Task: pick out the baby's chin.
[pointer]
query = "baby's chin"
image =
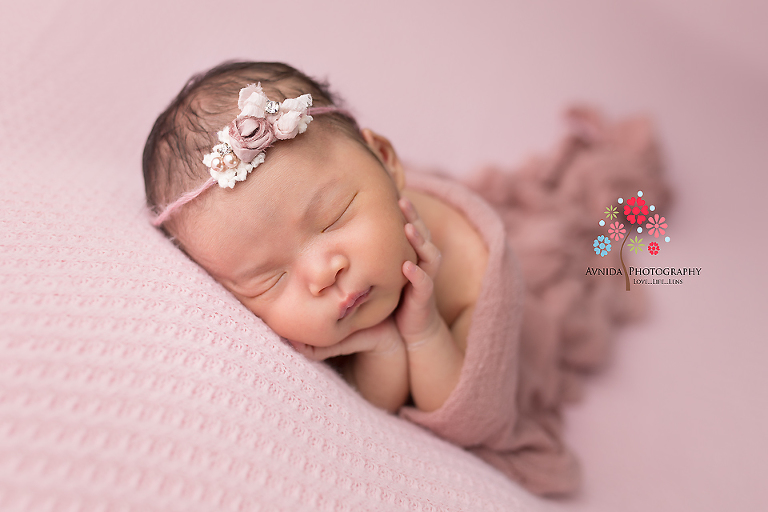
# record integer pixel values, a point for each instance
(366, 319)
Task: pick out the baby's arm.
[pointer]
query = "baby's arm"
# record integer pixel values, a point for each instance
(434, 357)
(378, 368)
(381, 375)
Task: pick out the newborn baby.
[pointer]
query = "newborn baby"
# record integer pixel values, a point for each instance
(323, 241)
(409, 287)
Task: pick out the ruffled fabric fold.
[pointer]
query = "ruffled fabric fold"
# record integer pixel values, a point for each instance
(541, 325)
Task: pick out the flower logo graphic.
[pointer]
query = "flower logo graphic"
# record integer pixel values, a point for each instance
(602, 245)
(617, 231)
(656, 226)
(636, 245)
(636, 212)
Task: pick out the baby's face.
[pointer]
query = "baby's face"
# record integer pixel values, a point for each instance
(312, 242)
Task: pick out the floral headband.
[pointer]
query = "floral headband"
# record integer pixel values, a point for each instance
(242, 142)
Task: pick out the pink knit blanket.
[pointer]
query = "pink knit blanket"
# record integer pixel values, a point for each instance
(130, 380)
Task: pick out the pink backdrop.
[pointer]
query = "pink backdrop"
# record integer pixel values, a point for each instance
(677, 421)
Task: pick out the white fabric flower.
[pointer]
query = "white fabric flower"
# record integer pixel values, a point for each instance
(225, 178)
(304, 122)
(287, 125)
(246, 93)
(300, 104)
(228, 177)
(252, 101)
(256, 161)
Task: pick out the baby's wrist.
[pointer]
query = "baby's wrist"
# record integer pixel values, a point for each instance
(389, 339)
(434, 331)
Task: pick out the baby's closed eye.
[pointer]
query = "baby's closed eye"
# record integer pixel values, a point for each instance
(270, 283)
(257, 286)
(338, 219)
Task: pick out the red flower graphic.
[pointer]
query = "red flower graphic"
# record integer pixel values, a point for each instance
(635, 210)
(653, 248)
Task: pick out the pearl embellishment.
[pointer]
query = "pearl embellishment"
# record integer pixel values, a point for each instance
(217, 164)
(231, 161)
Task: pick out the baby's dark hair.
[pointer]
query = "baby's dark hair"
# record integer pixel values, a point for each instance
(186, 130)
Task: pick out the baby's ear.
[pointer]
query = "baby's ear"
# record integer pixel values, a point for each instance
(386, 154)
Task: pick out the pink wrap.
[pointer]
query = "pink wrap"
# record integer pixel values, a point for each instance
(540, 324)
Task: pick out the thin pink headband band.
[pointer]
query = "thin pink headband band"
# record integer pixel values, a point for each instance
(227, 161)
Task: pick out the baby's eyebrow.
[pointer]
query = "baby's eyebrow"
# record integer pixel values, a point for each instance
(317, 197)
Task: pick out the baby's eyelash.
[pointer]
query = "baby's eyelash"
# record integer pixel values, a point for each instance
(272, 285)
(342, 213)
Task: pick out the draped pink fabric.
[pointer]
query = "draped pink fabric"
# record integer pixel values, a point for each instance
(541, 324)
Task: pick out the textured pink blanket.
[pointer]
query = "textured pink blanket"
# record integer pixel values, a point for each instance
(130, 380)
(540, 324)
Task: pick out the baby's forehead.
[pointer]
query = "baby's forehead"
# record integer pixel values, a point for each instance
(289, 191)
(322, 159)
(263, 222)
(297, 175)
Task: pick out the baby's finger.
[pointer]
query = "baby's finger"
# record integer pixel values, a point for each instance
(421, 292)
(365, 340)
(319, 353)
(412, 216)
(417, 313)
(428, 253)
(307, 351)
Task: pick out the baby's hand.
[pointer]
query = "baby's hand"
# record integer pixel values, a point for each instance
(379, 369)
(381, 338)
(417, 317)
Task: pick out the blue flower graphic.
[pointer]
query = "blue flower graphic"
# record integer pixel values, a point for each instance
(602, 245)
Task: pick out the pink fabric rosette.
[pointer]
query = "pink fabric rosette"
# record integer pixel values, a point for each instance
(250, 136)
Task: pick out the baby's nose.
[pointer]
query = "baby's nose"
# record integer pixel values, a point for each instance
(327, 273)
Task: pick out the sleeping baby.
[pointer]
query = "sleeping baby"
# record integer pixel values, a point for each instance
(405, 282)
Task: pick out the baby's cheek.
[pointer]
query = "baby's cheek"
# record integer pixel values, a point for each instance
(399, 239)
(412, 256)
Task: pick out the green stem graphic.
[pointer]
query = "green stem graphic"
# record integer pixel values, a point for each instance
(621, 257)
